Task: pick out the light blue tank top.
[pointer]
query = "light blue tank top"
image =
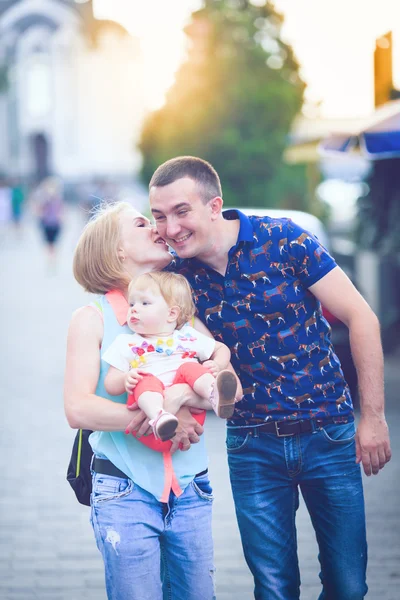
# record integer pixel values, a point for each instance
(153, 471)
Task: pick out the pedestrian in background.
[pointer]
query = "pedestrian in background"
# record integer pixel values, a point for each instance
(49, 207)
(17, 202)
(5, 202)
(259, 284)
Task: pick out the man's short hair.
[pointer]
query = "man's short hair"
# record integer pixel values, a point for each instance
(194, 168)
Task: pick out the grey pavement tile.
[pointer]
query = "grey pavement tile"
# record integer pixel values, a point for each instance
(25, 595)
(18, 585)
(84, 555)
(27, 553)
(94, 582)
(57, 583)
(231, 592)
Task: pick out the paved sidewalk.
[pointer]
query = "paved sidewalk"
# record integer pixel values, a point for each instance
(47, 549)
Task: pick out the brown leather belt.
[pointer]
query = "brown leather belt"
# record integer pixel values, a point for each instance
(287, 428)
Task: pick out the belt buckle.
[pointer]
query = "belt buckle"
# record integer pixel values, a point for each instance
(278, 433)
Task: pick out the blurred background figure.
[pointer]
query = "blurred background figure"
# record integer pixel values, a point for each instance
(49, 207)
(17, 201)
(5, 202)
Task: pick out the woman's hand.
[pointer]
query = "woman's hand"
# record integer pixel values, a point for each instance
(140, 422)
(188, 431)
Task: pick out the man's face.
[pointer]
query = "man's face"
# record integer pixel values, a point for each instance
(182, 219)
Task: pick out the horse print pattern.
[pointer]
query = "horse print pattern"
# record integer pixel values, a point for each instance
(263, 311)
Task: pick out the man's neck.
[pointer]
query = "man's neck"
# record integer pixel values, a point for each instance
(226, 235)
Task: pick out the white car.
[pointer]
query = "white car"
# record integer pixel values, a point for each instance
(305, 220)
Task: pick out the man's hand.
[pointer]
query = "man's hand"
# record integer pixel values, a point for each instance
(372, 443)
(176, 395)
(212, 366)
(187, 432)
(140, 422)
(132, 378)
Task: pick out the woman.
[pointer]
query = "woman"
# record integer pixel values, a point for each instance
(49, 207)
(148, 507)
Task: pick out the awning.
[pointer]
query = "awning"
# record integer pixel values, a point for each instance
(380, 139)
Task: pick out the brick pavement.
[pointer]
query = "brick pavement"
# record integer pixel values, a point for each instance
(47, 550)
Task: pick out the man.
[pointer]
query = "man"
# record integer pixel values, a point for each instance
(258, 285)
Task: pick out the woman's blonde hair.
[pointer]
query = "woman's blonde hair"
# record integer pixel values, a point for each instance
(97, 267)
(174, 288)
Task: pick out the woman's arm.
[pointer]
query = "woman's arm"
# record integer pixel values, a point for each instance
(83, 408)
(115, 381)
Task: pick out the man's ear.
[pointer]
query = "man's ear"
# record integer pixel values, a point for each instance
(216, 206)
(174, 313)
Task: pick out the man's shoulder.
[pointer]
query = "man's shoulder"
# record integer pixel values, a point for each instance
(269, 227)
(175, 265)
(183, 266)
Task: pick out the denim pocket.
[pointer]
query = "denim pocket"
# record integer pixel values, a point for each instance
(339, 433)
(106, 488)
(236, 442)
(202, 487)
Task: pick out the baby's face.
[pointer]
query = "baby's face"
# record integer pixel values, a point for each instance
(148, 312)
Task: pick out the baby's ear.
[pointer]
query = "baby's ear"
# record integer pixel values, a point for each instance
(174, 313)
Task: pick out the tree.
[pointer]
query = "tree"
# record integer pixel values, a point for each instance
(232, 103)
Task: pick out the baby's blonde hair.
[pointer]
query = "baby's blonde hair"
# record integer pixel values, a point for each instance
(97, 267)
(174, 288)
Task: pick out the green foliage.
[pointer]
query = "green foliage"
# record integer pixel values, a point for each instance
(232, 103)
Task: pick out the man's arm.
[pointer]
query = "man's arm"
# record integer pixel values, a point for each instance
(336, 292)
(199, 326)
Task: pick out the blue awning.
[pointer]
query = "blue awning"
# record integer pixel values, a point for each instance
(380, 140)
(383, 139)
(339, 142)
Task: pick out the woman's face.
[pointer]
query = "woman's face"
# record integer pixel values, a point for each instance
(141, 247)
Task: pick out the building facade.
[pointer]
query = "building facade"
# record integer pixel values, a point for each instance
(72, 99)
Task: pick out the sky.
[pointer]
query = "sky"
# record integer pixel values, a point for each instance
(333, 40)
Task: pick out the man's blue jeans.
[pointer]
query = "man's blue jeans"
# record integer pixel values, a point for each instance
(266, 473)
(154, 550)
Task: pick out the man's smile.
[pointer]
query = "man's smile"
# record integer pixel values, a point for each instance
(182, 239)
